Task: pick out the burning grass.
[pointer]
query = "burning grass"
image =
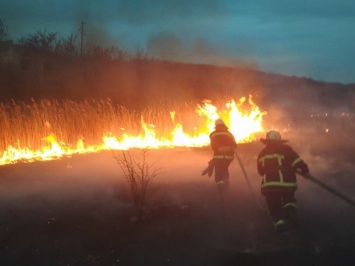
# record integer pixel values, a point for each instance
(45, 129)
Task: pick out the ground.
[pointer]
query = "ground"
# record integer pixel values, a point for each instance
(78, 211)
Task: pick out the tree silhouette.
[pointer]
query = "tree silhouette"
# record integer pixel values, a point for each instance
(67, 46)
(40, 40)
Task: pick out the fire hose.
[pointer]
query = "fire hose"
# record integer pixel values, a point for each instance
(248, 181)
(328, 188)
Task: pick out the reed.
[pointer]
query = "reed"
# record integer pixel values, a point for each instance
(27, 124)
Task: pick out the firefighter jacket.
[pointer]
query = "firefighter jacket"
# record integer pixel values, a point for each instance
(223, 143)
(277, 164)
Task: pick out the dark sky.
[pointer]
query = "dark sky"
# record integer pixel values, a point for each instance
(313, 39)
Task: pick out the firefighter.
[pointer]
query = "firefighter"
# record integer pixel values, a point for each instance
(277, 163)
(223, 145)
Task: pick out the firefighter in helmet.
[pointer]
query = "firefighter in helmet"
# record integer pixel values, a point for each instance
(223, 145)
(277, 163)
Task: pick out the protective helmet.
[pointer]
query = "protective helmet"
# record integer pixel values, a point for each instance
(273, 137)
(273, 134)
(219, 122)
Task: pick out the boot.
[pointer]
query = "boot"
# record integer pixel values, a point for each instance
(292, 218)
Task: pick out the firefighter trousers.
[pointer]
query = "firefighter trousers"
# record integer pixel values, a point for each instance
(282, 207)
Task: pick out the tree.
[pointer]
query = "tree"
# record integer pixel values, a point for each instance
(40, 40)
(67, 46)
(3, 31)
(140, 55)
(111, 53)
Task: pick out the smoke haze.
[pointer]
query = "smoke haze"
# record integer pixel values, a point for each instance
(87, 197)
(86, 176)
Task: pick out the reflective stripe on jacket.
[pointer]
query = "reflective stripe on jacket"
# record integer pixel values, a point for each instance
(277, 164)
(223, 144)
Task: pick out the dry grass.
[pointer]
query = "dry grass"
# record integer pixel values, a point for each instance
(26, 124)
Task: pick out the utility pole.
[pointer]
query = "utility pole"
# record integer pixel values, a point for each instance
(81, 37)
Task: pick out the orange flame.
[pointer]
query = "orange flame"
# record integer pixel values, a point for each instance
(244, 125)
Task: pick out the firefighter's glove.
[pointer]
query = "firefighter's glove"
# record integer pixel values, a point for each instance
(209, 169)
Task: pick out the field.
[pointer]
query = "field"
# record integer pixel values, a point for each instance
(78, 211)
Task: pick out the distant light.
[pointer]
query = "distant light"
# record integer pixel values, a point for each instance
(327, 130)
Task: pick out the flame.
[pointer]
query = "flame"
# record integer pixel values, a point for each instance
(244, 124)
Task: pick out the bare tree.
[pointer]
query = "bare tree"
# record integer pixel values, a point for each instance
(140, 55)
(40, 40)
(138, 173)
(110, 53)
(68, 46)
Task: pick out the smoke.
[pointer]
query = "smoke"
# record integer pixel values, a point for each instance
(96, 177)
(97, 34)
(165, 45)
(86, 197)
(168, 46)
(173, 40)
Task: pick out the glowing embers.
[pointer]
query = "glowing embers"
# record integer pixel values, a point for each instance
(186, 127)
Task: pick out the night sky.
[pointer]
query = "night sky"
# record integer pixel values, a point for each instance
(313, 39)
